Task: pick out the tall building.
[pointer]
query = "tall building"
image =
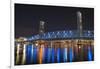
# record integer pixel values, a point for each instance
(79, 23)
(41, 28)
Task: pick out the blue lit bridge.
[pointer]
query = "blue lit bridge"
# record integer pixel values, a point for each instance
(55, 47)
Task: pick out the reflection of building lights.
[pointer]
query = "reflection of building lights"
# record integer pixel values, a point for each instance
(29, 53)
(65, 55)
(58, 55)
(79, 47)
(41, 54)
(70, 54)
(24, 54)
(75, 45)
(36, 44)
(17, 56)
(36, 52)
(89, 54)
(53, 55)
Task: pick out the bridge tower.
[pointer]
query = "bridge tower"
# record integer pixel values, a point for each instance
(41, 28)
(79, 23)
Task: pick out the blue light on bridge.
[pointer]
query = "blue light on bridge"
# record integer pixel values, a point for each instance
(62, 34)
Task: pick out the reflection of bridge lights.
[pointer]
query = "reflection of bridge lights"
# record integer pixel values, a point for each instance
(44, 52)
(17, 56)
(29, 53)
(53, 55)
(58, 55)
(89, 54)
(70, 54)
(24, 54)
(65, 55)
(79, 47)
(36, 44)
(40, 55)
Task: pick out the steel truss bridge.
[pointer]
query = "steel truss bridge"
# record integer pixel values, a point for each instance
(71, 34)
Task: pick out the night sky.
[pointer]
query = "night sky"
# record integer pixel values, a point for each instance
(27, 18)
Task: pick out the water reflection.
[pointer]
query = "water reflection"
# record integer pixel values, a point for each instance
(32, 54)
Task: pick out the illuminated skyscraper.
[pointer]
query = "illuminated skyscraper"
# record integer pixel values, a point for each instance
(41, 28)
(79, 23)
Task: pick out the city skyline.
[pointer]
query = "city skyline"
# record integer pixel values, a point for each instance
(53, 34)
